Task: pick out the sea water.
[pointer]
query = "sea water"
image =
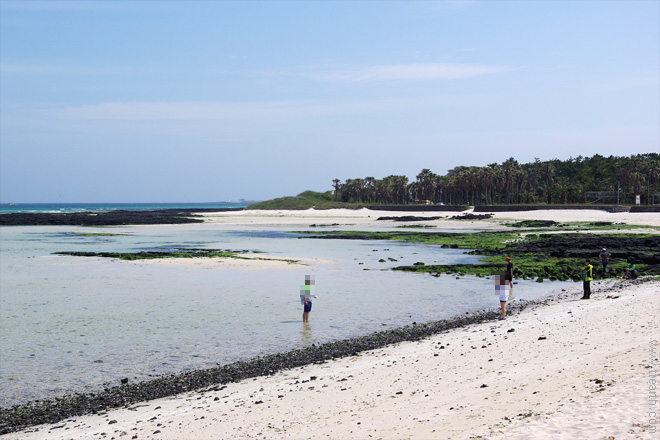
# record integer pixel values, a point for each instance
(74, 324)
(66, 208)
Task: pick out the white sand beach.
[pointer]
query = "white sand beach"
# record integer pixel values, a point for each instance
(570, 369)
(368, 218)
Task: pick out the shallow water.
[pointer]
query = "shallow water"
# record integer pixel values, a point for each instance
(75, 323)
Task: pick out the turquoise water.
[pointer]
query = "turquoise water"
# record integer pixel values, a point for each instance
(7, 208)
(75, 323)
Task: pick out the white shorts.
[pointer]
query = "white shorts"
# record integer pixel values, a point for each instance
(504, 293)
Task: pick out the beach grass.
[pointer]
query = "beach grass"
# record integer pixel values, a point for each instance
(304, 200)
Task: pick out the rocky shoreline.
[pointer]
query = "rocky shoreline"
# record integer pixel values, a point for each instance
(110, 218)
(180, 216)
(128, 394)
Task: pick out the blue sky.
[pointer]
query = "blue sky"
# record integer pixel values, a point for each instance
(193, 101)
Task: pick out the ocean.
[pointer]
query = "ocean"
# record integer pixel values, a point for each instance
(76, 324)
(7, 208)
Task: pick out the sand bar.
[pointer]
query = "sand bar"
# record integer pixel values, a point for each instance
(244, 262)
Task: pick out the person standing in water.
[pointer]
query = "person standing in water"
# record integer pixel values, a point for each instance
(508, 274)
(504, 285)
(500, 289)
(307, 309)
(306, 296)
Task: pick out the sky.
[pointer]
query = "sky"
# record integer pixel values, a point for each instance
(204, 101)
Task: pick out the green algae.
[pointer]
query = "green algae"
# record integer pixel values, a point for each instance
(492, 247)
(152, 255)
(416, 226)
(181, 253)
(94, 234)
(491, 240)
(549, 225)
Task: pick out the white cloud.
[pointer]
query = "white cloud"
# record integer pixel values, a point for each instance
(65, 69)
(17, 69)
(645, 79)
(64, 5)
(240, 111)
(406, 72)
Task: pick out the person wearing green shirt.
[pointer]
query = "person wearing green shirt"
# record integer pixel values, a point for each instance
(587, 276)
(306, 295)
(630, 272)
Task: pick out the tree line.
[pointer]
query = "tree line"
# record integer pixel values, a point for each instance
(596, 179)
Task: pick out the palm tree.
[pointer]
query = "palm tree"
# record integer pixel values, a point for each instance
(653, 174)
(509, 168)
(510, 182)
(369, 191)
(426, 180)
(336, 184)
(548, 170)
(401, 185)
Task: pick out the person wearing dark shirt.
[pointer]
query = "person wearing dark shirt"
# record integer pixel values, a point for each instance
(508, 274)
(604, 259)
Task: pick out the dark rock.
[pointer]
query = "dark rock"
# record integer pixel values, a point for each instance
(409, 218)
(111, 218)
(534, 224)
(468, 216)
